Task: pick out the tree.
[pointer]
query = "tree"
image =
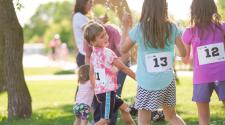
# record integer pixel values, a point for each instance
(120, 5)
(221, 6)
(11, 71)
(50, 19)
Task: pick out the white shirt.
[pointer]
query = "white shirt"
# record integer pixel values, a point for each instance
(79, 20)
(85, 93)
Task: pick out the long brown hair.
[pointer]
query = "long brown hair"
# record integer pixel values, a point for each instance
(83, 74)
(155, 23)
(80, 6)
(203, 13)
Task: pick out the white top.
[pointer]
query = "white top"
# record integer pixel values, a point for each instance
(79, 20)
(85, 93)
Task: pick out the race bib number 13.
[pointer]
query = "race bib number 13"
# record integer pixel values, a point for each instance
(211, 53)
(158, 62)
(100, 76)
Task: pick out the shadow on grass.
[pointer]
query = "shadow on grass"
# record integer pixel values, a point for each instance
(62, 72)
(60, 115)
(63, 115)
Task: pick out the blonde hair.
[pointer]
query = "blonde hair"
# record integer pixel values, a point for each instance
(92, 30)
(83, 73)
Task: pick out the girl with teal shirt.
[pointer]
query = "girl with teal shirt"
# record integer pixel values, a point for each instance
(155, 36)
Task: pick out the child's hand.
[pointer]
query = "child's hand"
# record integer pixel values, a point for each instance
(104, 18)
(127, 20)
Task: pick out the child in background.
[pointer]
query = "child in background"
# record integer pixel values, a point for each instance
(206, 38)
(84, 96)
(103, 75)
(155, 36)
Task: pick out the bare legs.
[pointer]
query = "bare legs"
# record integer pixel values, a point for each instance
(144, 116)
(171, 116)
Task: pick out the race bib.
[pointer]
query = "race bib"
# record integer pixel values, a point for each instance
(211, 53)
(100, 76)
(158, 62)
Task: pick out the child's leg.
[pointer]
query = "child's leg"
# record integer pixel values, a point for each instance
(102, 122)
(144, 117)
(84, 122)
(203, 113)
(106, 104)
(77, 121)
(124, 108)
(171, 116)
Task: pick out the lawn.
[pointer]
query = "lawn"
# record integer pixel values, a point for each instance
(52, 103)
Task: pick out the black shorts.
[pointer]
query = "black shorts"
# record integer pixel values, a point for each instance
(108, 103)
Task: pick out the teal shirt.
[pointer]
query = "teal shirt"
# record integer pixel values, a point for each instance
(153, 80)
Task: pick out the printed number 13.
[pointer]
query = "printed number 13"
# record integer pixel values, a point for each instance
(163, 61)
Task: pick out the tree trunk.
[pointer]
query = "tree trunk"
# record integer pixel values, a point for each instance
(19, 99)
(2, 83)
(120, 4)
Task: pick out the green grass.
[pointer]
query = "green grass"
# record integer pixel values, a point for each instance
(52, 103)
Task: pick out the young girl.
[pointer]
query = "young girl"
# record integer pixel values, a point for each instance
(81, 9)
(155, 36)
(206, 37)
(103, 75)
(84, 96)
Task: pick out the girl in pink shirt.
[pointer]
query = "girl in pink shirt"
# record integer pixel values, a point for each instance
(84, 96)
(103, 75)
(206, 38)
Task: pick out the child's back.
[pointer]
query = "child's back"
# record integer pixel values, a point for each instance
(84, 96)
(208, 52)
(85, 93)
(206, 38)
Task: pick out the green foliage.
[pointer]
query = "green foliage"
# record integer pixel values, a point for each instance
(100, 10)
(221, 6)
(50, 19)
(18, 5)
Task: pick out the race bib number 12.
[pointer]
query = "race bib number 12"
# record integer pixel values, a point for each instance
(211, 53)
(158, 62)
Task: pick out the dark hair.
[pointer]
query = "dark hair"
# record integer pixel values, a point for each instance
(155, 23)
(91, 30)
(80, 6)
(83, 73)
(203, 13)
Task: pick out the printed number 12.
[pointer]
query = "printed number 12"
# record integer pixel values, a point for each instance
(215, 52)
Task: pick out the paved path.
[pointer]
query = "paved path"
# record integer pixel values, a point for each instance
(74, 76)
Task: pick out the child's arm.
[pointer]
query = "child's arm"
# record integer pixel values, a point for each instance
(119, 64)
(180, 47)
(187, 59)
(92, 76)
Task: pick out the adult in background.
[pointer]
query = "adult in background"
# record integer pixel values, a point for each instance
(80, 19)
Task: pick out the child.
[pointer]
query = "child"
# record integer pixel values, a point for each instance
(206, 38)
(114, 44)
(103, 74)
(155, 36)
(84, 96)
